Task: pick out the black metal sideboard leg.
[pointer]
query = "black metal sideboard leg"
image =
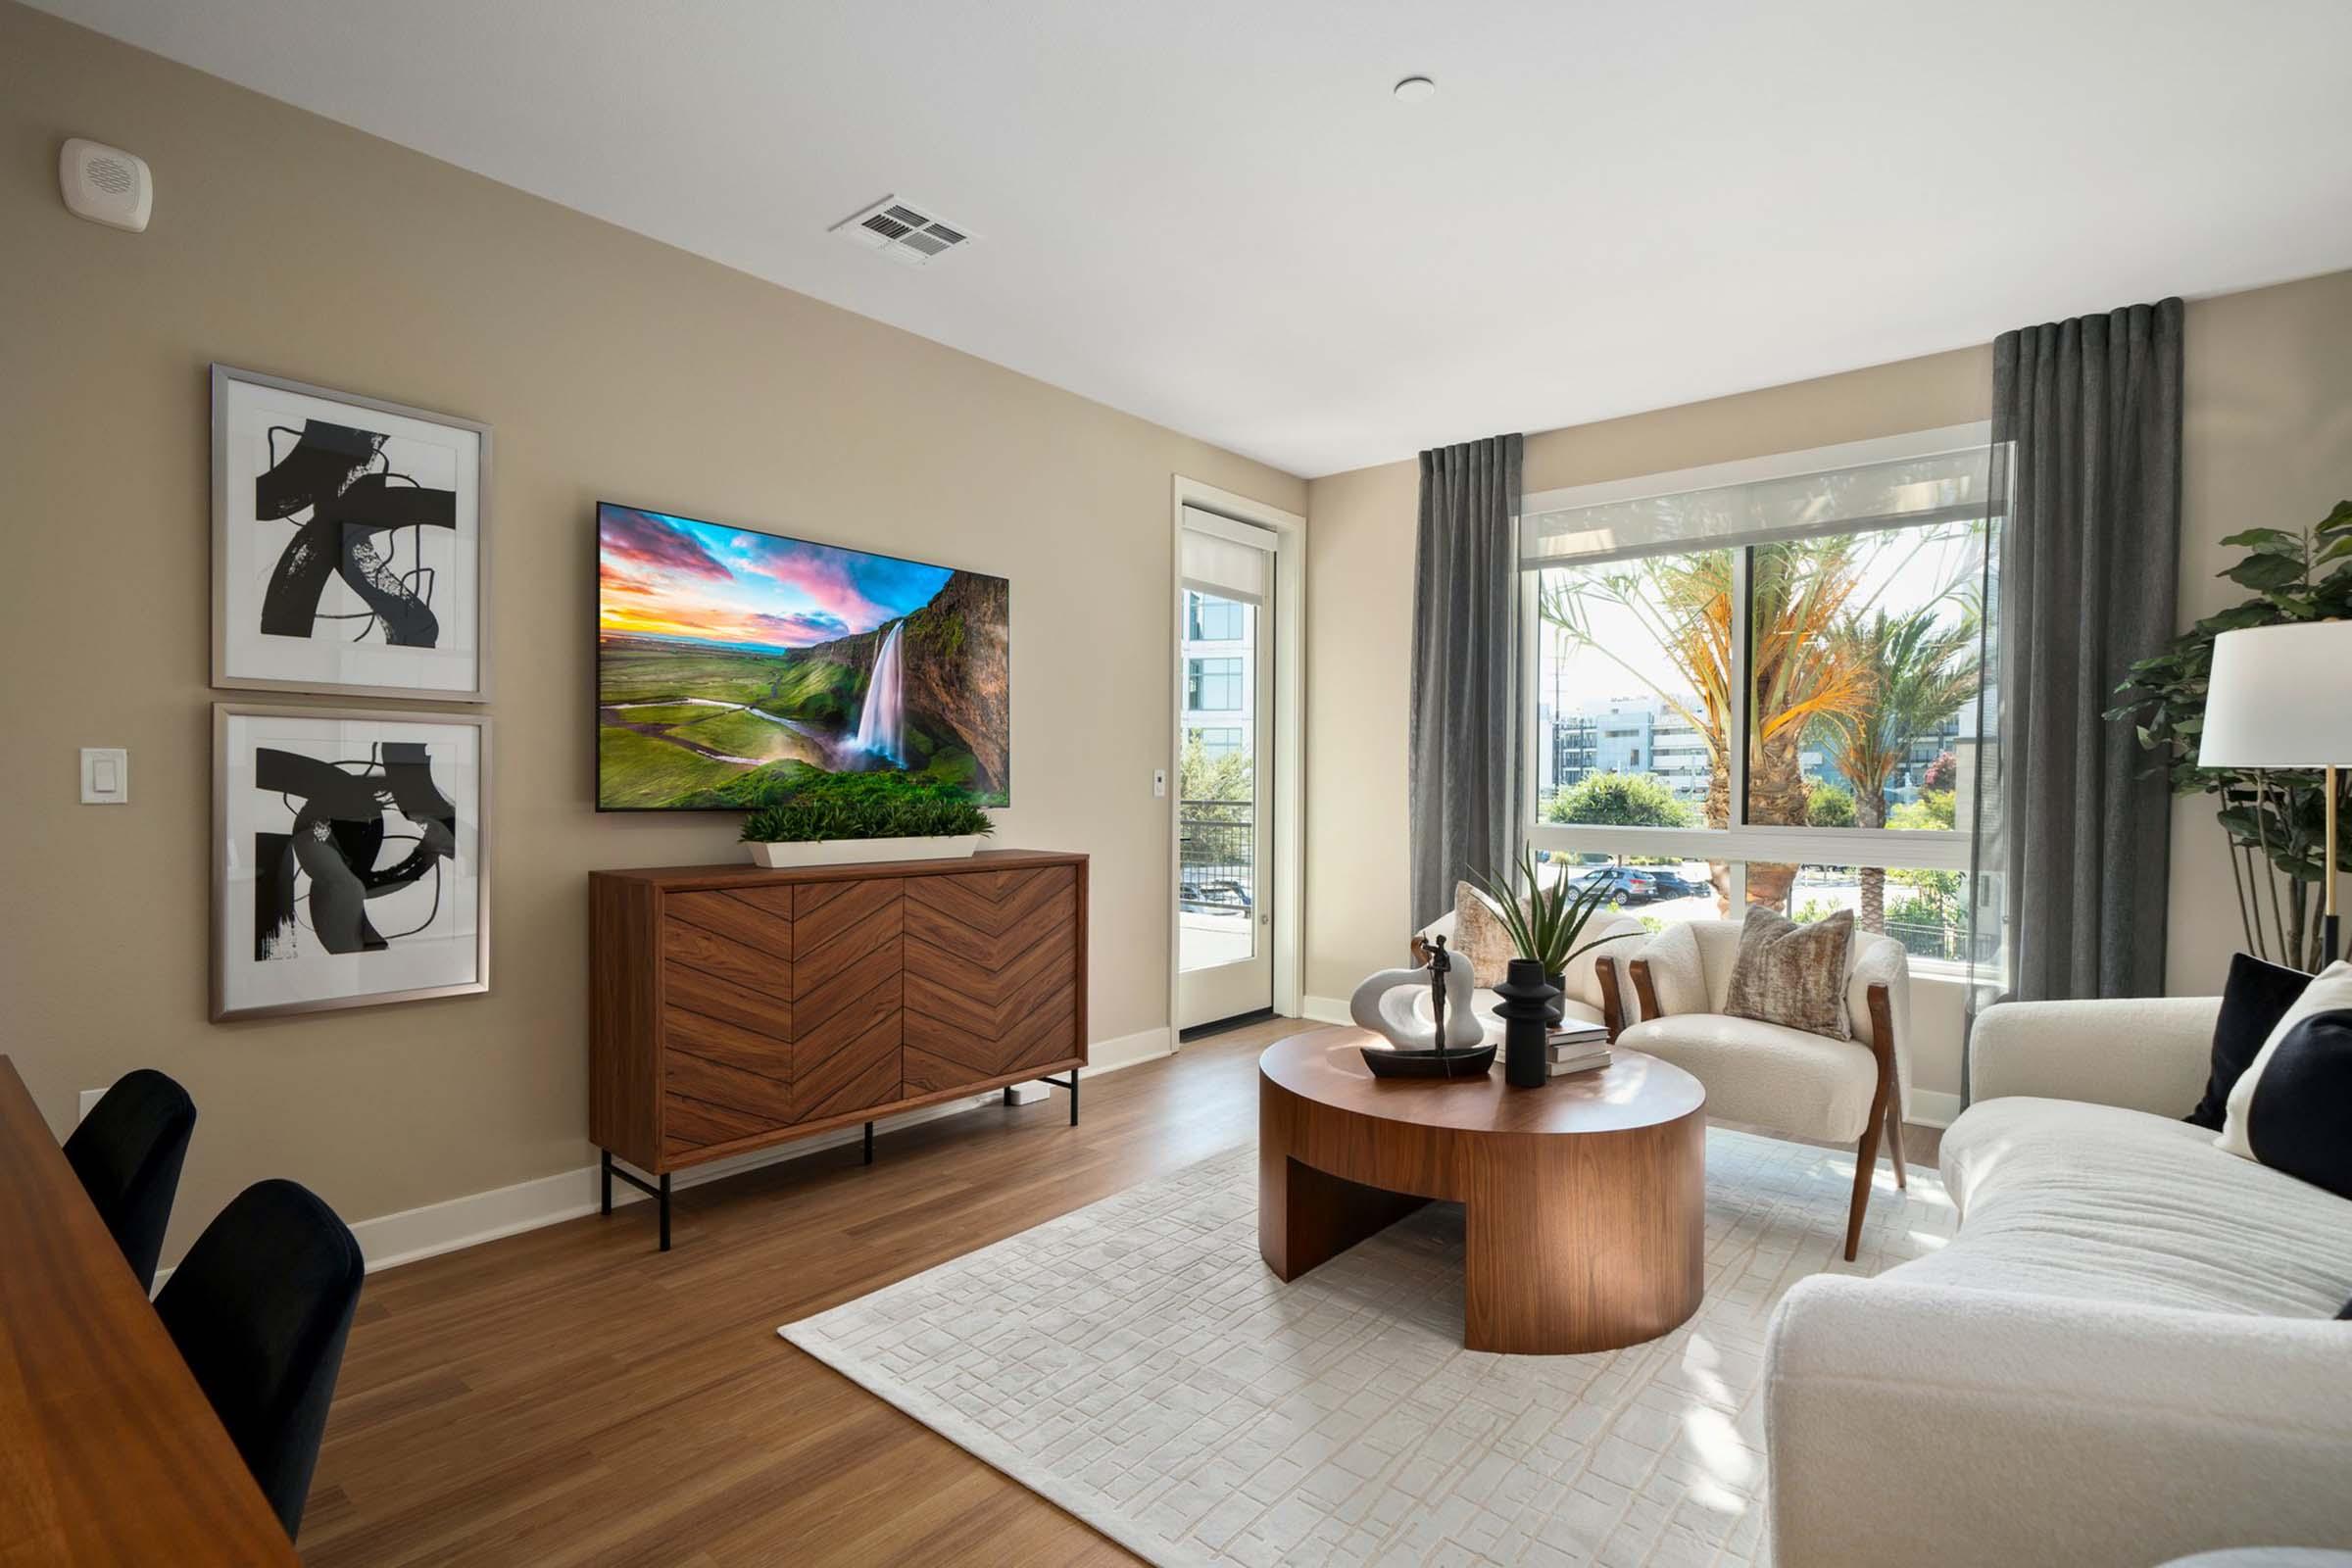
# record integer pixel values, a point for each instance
(660, 1194)
(870, 1142)
(1072, 1083)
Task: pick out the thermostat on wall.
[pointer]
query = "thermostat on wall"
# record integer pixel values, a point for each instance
(105, 184)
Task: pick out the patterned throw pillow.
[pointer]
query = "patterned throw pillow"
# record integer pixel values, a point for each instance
(1480, 935)
(1793, 975)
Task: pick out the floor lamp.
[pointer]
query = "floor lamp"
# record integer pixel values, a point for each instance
(2280, 697)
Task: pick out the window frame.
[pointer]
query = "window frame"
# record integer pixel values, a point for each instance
(1742, 841)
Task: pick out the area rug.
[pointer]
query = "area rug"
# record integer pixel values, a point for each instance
(1136, 1363)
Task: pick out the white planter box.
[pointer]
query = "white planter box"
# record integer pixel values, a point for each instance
(848, 852)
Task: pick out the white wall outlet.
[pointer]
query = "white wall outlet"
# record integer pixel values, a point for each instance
(1028, 1094)
(1159, 783)
(89, 1103)
(105, 775)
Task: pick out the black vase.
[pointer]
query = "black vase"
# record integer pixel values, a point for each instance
(1526, 1014)
(1558, 981)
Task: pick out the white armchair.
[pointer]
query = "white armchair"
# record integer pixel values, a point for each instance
(1795, 1083)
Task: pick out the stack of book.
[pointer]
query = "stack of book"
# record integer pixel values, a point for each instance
(1578, 1048)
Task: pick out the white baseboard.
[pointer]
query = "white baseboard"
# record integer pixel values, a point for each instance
(1931, 1108)
(1146, 1044)
(391, 1240)
(1325, 1009)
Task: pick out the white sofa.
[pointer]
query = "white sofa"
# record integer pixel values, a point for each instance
(2125, 1356)
(1789, 1081)
(1596, 992)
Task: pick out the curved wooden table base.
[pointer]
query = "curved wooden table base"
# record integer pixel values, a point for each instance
(1585, 1199)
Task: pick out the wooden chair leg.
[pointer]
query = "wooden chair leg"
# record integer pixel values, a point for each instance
(1866, 1162)
(1886, 1110)
(1894, 1143)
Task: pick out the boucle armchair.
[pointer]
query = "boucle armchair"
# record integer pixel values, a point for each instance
(1789, 1081)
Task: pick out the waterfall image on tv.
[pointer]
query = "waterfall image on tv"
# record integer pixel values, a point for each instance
(734, 669)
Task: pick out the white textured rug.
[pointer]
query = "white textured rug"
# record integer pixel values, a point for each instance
(1136, 1363)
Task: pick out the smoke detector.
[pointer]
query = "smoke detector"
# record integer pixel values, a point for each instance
(903, 231)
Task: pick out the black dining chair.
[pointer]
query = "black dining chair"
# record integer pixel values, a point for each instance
(260, 1309)
(128, 1153)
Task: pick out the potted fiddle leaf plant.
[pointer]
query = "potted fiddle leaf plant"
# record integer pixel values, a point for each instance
(2275, 822)
(1548, 924)
(836, 818)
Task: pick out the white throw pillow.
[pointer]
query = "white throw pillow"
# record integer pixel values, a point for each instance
(1676, 971)
(2329, 990)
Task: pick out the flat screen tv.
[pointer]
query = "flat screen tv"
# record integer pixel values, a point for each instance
(735, 667)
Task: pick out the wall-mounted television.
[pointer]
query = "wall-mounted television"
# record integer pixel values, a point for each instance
(734, 667)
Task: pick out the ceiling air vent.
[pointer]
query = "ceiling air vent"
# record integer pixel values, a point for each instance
(901, 232)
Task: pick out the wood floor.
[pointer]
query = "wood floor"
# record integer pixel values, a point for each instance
(570, 1395)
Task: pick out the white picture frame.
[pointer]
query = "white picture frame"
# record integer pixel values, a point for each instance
(349, 857)
(350, 543)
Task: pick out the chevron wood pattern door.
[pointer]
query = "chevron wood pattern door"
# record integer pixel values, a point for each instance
(726, 1017)
(992, 975)
(848, 968)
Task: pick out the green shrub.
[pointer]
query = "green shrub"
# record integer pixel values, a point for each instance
(1827, 806)
(1618, 800)
(865, 805)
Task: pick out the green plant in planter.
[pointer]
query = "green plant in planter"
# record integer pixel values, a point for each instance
(866, 806)
(1546, 925)
(2274, 821)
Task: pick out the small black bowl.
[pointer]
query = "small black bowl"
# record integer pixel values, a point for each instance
(1389, 1062)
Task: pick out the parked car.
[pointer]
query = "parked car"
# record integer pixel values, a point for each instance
(1628, 884)
(1675, 885)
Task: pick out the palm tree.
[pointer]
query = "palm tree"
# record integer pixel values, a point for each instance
(1920, 670)
(1799, 674)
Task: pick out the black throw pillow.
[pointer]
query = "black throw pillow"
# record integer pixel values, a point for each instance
(2300, 1119)
(2252, 1003)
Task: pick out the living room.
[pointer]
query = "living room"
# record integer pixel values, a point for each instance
(1201, 857)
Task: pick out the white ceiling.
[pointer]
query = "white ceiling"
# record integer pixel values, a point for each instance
(1212, 213)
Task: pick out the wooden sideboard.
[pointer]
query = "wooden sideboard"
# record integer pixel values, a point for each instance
(734, 1008)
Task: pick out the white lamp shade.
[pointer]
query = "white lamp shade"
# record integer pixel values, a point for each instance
(2280, 697)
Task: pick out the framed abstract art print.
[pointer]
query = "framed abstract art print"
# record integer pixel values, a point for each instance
(348, 864)
(350, 544)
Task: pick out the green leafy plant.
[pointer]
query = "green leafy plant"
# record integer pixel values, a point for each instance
(1618, 800)
(1546, 924)
(1827, 806)
(2274, 821)
(865, 805)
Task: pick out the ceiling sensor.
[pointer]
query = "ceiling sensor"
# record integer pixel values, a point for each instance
(1412, 89)
(903, 231)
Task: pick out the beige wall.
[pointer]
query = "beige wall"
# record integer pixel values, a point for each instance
(2267, 441)
(610, 365)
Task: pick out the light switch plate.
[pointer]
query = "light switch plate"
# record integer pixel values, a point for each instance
(1159, 783)
(105, 775)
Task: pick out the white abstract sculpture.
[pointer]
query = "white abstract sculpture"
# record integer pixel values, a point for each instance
(1389, 1004)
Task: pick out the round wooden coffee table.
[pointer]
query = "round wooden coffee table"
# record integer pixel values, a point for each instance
(1585, 1199)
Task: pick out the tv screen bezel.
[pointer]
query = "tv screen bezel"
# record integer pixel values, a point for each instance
(596, 706)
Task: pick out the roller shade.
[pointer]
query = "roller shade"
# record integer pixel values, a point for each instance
(1819, 495)
(1235, 560)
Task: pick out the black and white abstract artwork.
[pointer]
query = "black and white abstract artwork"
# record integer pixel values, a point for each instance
(348, 542)
(349, 857)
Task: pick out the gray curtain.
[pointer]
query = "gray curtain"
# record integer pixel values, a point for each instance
(1462, 769)
(2086, 422)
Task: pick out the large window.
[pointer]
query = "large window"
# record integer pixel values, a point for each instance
(1759, 684)
(1213, 685)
